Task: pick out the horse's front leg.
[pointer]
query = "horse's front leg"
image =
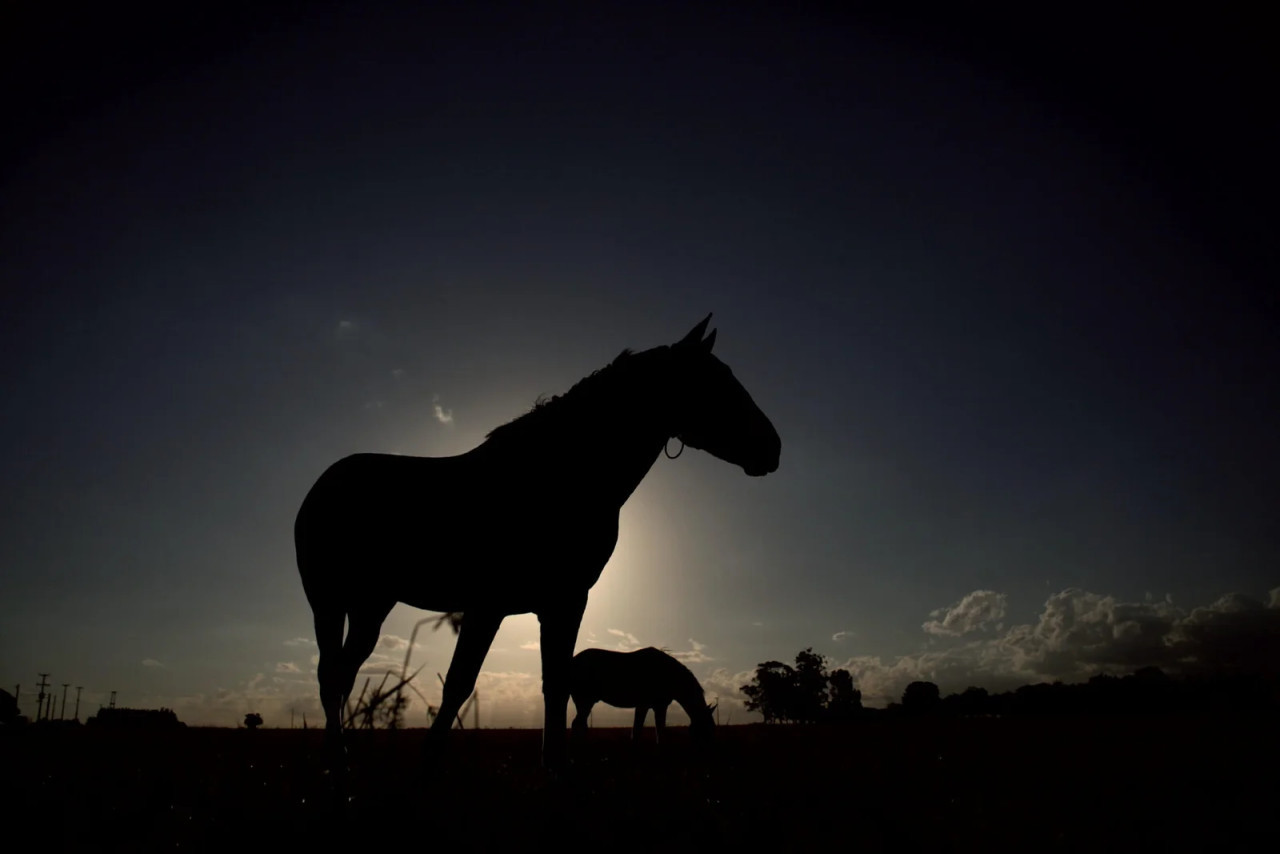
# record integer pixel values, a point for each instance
(559, 634)
(659, 723)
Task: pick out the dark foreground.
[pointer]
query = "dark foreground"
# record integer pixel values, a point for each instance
(1046, 784)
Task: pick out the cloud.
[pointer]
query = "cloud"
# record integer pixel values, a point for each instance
(300, 642)
(287, 667)
(1079, 634)
(841, 635)
(975, 612)
(725, 686)
(531, 645)
(151, 662)
(444, 416)
(393, 643)
(628, 640)
(692, 656)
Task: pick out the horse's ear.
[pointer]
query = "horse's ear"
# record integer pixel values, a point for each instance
(695, 334)
(709, 341)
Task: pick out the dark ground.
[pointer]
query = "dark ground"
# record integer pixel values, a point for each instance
(1048, 784)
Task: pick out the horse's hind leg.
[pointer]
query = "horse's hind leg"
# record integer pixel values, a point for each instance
(475, 636)
(583, 707)
(659, 723)
(329, 671)
(364, 626)
(637, 727)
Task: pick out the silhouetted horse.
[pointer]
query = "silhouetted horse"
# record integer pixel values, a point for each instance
(524, 522)
(642, 680)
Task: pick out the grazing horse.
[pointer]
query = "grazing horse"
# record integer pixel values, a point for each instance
(522, 523)
(642, 680)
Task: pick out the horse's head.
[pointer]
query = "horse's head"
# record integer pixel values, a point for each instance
(703, 726)
(714, 413)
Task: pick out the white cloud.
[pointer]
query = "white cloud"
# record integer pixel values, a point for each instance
(300, 642)
(287, 667)
(444, 416)
(976, 611)
(393, 642)
(151, 662)
(531, 645)
(628, 641)
(724, 686)
(841, 635)
(1077, 635)
(696, 655)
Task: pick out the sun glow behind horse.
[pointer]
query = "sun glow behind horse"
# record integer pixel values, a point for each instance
(524, 522)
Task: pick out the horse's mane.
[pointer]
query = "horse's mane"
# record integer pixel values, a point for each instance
(685, 675)
(550, 410)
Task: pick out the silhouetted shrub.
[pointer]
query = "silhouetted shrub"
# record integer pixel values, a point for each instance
(920, 698)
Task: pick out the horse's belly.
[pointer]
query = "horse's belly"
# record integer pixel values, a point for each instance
(632, 700)
(461, 550)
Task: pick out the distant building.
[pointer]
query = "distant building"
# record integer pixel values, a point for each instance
(9, 715)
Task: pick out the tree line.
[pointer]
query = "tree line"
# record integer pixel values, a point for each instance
(810, 693)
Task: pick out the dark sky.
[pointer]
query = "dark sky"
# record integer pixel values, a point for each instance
(1002, 283)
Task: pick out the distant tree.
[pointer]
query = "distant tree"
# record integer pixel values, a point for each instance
(805, 693)
(253, 720)
(809, 698)
(974, 701)
(771, 691)
(920, 697)
(844, 702)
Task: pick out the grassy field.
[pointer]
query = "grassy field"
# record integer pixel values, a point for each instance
(1119, 784)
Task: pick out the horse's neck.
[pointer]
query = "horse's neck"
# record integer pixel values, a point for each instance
(599, 465)
(693, 702)
(686, 691)
(619, 467)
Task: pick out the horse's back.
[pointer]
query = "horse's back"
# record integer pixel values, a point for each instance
(365, 507)
(622, 679)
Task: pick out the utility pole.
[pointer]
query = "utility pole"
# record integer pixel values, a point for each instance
(113, 700)
(79, 688)
(63, 714)
(40, 699)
